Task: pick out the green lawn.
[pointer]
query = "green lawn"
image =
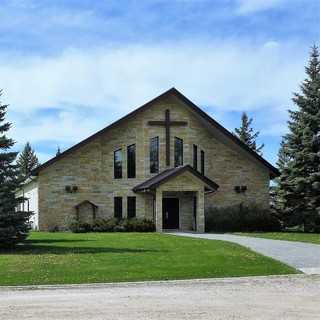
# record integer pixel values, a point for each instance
(289, 236)
(52, 258)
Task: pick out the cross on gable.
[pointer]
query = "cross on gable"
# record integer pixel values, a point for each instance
(167, 123)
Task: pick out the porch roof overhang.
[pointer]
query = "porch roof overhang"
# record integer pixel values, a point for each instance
(152, 183)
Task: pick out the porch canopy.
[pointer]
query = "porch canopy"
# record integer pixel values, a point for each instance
(189, 185)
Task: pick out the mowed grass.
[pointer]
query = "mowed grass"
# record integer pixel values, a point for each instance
(289, 236)
(58, 258)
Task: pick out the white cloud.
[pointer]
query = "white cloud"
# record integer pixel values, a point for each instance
(252, 6)
(231, 76)
(112, 81)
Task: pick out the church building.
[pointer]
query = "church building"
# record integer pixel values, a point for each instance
(166, 161)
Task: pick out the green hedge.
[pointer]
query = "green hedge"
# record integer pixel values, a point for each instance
(113, 225)
(240, 218)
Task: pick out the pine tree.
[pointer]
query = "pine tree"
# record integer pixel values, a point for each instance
(14, 225)
(246, 134)
(58, 151)
(27, 161)
(299, 183)
(276, 190)
(283, 157)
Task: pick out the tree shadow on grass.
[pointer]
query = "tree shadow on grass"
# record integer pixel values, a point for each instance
(36, 241)
(29, 249)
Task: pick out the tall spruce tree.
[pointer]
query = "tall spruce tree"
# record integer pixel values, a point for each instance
(276, 191)
(27, 161)
(14, 224)
(299, 184)
(246, 134)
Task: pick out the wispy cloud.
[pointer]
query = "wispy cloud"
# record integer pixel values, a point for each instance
(94, 87)
(229, 75)
(252, 6)
(65, 63)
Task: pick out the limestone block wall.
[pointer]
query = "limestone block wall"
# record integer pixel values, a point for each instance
(90, 167)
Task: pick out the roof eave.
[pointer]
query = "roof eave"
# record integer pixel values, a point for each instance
(208, 182)
(273, 171)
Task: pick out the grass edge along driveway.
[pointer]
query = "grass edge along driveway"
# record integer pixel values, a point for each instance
(66, 258)
(287, 236)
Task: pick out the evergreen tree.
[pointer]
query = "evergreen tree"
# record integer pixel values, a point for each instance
(283, 157)
(276, 192)
(246, 134)
(58, 151)
(299, 183)
(14, 225)
(27, 161)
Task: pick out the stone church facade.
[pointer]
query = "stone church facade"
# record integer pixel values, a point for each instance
(166, 161)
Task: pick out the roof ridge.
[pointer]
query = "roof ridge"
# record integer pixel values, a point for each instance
(273, 171)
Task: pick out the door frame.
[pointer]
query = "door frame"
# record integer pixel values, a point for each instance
(179, 220)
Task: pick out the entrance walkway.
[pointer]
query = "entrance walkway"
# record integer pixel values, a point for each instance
(302, 256)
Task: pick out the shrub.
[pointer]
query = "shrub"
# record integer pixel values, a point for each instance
(105, 225)
(114, 225)
(241, 218)
(119, 228)
(53, 229)
(138, 225)
(78, 227)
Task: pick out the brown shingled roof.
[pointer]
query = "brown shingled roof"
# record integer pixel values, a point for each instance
(168, 174)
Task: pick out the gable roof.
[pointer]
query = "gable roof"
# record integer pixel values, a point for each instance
(173, 91)
(168, 174)
(85, 202)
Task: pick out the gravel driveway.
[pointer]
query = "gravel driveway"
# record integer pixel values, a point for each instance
(285, 297)
(300, 255)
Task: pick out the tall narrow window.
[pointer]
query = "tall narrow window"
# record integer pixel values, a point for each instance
(118, 207)
(131, 207)
(131, 158)
(117, 164)
(178, 152)
(154, 155)
(195, 157)
(202, 162)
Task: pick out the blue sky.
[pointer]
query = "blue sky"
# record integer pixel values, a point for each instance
(69, 68)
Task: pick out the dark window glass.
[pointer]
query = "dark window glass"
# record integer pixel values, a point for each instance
(195, 157)
(154, 155)
(178, 152)
(118, 207)
(131, 206)
(202, 162)
(117, 164)
(131, 158)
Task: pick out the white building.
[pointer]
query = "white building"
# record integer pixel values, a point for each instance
(29, 191)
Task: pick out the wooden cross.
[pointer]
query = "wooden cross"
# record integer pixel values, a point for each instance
(167, 123)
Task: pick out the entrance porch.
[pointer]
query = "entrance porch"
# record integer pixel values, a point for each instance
(178, 195)
(179, 210)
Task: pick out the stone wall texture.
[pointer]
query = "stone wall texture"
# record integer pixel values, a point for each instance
(90, 168)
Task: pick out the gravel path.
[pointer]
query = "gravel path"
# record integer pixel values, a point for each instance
(285, 297)
(300, 255)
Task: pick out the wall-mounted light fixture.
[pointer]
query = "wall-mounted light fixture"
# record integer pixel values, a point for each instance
(71, 189)
(237, 189)
(243, 188)
(240, 189)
